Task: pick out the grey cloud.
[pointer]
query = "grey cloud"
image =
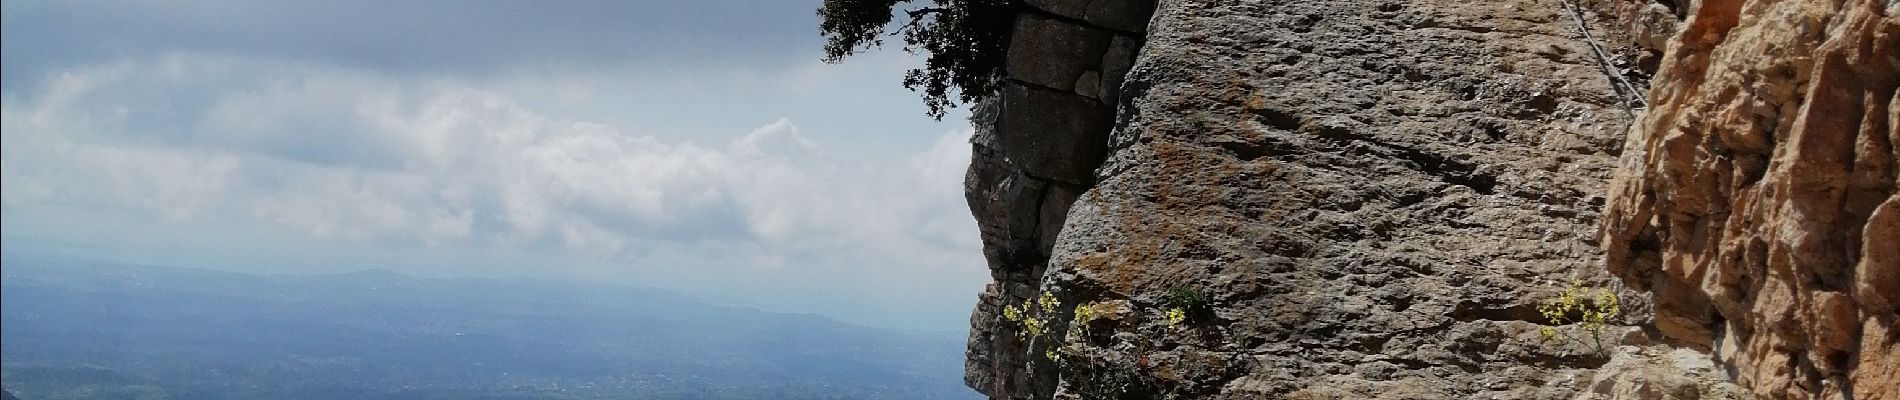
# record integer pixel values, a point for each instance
(409, 37)
(301, 114)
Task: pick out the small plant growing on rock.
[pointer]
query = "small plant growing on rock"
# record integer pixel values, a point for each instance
(1183, 300)
(1031, 314)
(1593, 313)
(1035, 315)
(1083, 315)
(1175, 316)
(1187, 298)
(1079, 328)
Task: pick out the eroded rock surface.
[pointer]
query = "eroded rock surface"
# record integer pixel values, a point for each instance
(1373, 197)
(1758, 202)
(1661, 373)
(1036, 148)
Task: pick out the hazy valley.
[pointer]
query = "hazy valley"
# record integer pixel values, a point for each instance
(85, 330)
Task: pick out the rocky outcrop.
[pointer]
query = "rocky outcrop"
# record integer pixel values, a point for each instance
(1373, 196)
(1036, 147)
(1370, 197)
(1758, 203)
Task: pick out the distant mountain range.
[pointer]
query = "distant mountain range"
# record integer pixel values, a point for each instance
(84, 330)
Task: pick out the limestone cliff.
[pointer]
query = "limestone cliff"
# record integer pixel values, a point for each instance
(1371, 198)
(1758, 199)
(1036, 147)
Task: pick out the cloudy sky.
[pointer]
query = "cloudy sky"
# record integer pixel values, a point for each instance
(698, 146)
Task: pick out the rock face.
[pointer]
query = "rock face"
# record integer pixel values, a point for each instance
(1758, 198)
(1373, 198)
(1660, 372)
(1036, 148)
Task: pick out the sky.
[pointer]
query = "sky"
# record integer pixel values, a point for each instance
(695, 146)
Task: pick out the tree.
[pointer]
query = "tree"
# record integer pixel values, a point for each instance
(964, 41)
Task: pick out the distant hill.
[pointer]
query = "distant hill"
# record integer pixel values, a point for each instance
(94, 331)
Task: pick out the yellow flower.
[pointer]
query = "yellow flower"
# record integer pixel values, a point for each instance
(1085, 313)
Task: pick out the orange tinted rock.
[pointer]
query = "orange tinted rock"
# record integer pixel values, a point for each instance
(1757, 198)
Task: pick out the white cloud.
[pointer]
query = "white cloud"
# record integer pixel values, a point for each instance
(342, 155)
(172, 183)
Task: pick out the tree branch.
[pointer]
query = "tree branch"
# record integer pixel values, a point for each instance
(918, 15)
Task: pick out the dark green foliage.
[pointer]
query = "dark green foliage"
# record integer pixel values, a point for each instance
(964, 40)
(1187, 298)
